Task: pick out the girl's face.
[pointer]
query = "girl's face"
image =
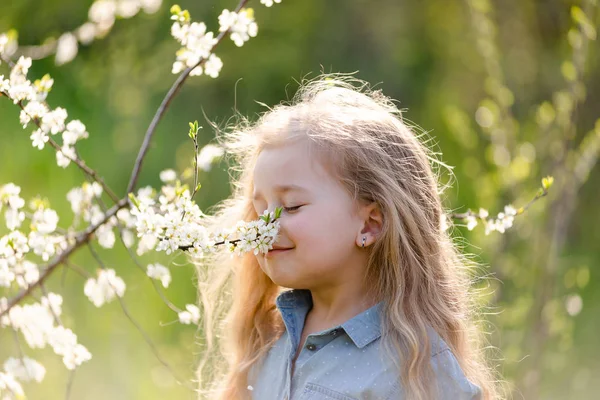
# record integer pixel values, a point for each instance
(318, 223)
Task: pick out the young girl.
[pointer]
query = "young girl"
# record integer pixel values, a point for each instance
(364, 295)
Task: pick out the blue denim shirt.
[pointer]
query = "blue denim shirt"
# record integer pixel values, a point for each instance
(343, 362)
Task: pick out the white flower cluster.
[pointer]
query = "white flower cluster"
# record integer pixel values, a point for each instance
(25, 369)
(8, 43)
(241, 25)
(37, 324)
(197, 45)
(208, 155)
(84, 205)
(175, 222)
(190, 315)
(42, 240)
(105, 288)
(269, 3)
(50, 122)
(500, 224)
(3, 42)
(160, 272)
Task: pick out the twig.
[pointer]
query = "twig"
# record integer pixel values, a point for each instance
(163, 108)
(92, 173)
(542, 193)
(138, 327)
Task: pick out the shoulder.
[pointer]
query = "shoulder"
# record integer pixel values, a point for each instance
(450, 378)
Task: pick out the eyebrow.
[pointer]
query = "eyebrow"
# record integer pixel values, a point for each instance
(281, 189)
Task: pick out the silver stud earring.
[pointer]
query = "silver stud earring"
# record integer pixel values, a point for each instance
(363, 241)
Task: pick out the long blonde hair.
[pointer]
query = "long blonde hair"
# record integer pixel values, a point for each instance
(414, 265)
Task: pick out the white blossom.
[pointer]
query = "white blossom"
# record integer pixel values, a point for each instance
(21, 92)
(207, 155)
(105, 288)
(7, 276)
(14, 218)
(146, 243)
(168, 175)
(44, 220)
(471, 222)
(34, 321)
(241, 25)
(160, 272)
(197, 43)
(13, 246)
(213, 66)
(9, 195)
(25, 369)
(18, 74)
(4, 84)
(269, 3)
(75, 130)
(42, 245)
(102, 12)
(39, 139)
(106, 236)
(26, 273)
(150, 6)
(81, 198)
(3, 42)
(64, 343)
(86, 33)
(191, 315)
(53, 302)
(66, 48)
(8, 382)
(65, 155)
(54, 121)
(33, 110)
(128, 8)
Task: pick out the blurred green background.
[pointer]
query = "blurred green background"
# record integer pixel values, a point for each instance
(472, 73)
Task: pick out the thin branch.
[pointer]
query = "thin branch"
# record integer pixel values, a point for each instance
(77, 161)
(78, 269)
(70, 384)
(542, 193)
(163, 108)
(138, 327)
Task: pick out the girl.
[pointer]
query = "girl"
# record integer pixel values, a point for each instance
(364, 295)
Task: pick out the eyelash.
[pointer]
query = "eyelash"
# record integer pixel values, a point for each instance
(290, 209)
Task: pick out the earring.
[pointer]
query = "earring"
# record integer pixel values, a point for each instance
(363, 241)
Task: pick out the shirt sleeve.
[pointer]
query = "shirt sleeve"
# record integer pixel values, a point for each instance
(451, 381)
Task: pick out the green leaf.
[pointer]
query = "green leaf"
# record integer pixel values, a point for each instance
(547, 182)
(135, 201)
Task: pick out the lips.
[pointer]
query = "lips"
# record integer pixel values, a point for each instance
(277, 250)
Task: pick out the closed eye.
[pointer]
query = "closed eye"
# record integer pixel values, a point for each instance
(289, 209)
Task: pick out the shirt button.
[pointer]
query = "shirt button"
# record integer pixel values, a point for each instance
(311, 346)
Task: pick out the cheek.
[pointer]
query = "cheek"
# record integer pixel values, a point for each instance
(318, 227)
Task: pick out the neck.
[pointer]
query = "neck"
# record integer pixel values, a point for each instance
(335, 305)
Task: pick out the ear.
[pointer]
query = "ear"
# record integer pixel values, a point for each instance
(372, 224)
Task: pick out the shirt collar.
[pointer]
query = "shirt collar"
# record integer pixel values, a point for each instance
(362, 328)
